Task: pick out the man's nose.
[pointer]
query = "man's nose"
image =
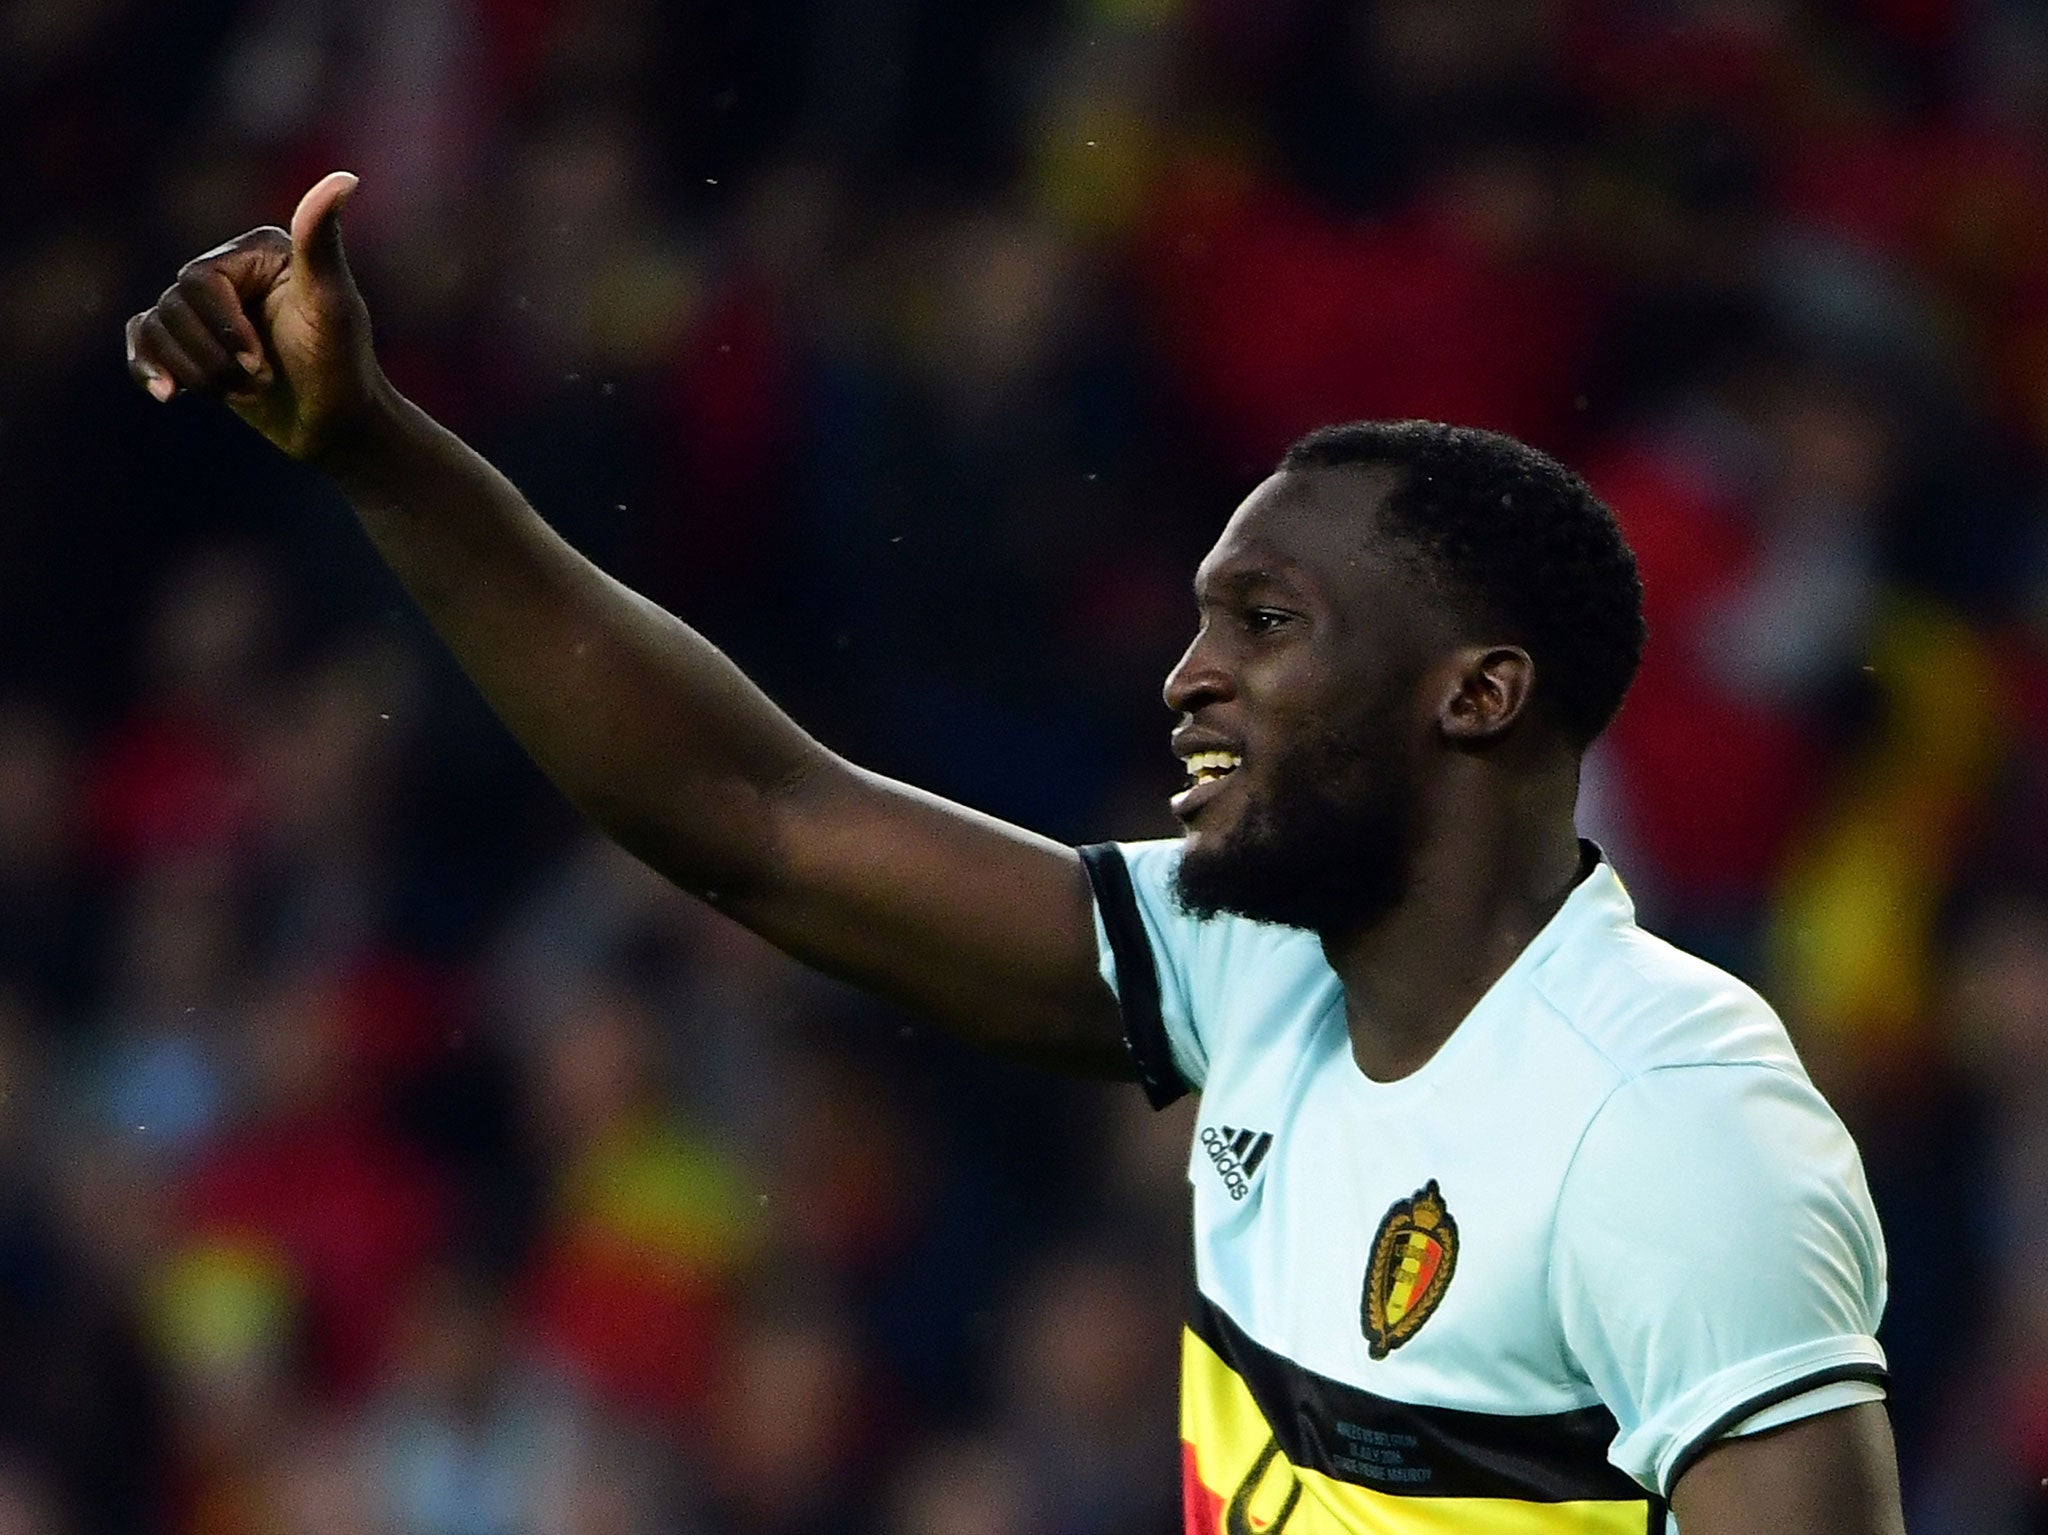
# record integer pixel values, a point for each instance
(1199, 677)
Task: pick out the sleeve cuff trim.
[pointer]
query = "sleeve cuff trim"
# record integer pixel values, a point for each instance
(1137, 982)
(1750, 1406)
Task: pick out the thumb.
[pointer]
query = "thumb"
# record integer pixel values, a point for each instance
(316, 229)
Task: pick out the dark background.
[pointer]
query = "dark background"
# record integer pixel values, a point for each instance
(379, 1153)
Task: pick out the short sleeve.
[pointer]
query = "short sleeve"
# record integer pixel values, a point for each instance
(1148, 949)
(1716, 1255)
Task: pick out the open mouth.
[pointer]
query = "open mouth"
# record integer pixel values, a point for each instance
(1211, 766)
(1207, 772)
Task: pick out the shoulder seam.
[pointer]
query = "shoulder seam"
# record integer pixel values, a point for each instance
(1627, 1073)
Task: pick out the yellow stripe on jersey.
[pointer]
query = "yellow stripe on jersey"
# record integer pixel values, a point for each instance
(1240, 1481)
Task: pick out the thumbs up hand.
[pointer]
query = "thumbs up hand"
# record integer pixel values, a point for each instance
(272, 323)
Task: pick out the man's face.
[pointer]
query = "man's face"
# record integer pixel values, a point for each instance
(1304, 723)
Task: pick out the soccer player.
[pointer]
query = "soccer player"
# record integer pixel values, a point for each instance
(1508, 1217)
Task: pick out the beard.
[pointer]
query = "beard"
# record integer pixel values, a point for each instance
(1329, 848)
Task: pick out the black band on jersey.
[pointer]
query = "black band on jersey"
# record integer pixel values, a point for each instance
(1718, 1429)
(1416, 1450)
(1137, 983)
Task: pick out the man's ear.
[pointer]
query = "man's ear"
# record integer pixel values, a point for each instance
(1487, 688)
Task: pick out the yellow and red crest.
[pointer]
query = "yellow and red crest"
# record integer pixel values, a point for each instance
(1413, 1257)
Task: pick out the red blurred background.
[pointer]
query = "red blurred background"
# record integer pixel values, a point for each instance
(377, 1153)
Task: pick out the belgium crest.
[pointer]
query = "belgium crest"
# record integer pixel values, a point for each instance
(1413, 1257)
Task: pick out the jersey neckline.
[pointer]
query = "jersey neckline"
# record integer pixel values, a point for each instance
(1598, 900)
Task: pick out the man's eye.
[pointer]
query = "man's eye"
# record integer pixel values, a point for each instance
(1263, 620)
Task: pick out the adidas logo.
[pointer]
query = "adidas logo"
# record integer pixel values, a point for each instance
(1237, 1155)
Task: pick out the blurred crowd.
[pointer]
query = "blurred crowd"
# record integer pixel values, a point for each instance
(380, 1153)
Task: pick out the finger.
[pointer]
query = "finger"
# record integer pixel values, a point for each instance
(213, 298)
(157, 347)
(316, 229)
(142, 369)
(197, 340)
(251, 263)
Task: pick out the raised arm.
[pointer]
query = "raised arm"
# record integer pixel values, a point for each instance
(641, 722)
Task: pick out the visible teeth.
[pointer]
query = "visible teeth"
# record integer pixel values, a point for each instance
(1204, 766)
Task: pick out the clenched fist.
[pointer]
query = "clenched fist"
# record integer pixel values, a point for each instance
(272, 323)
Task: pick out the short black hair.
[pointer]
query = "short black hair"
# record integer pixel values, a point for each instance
(1518, 536)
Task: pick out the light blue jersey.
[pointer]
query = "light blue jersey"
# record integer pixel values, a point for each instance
(1610, 1222)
